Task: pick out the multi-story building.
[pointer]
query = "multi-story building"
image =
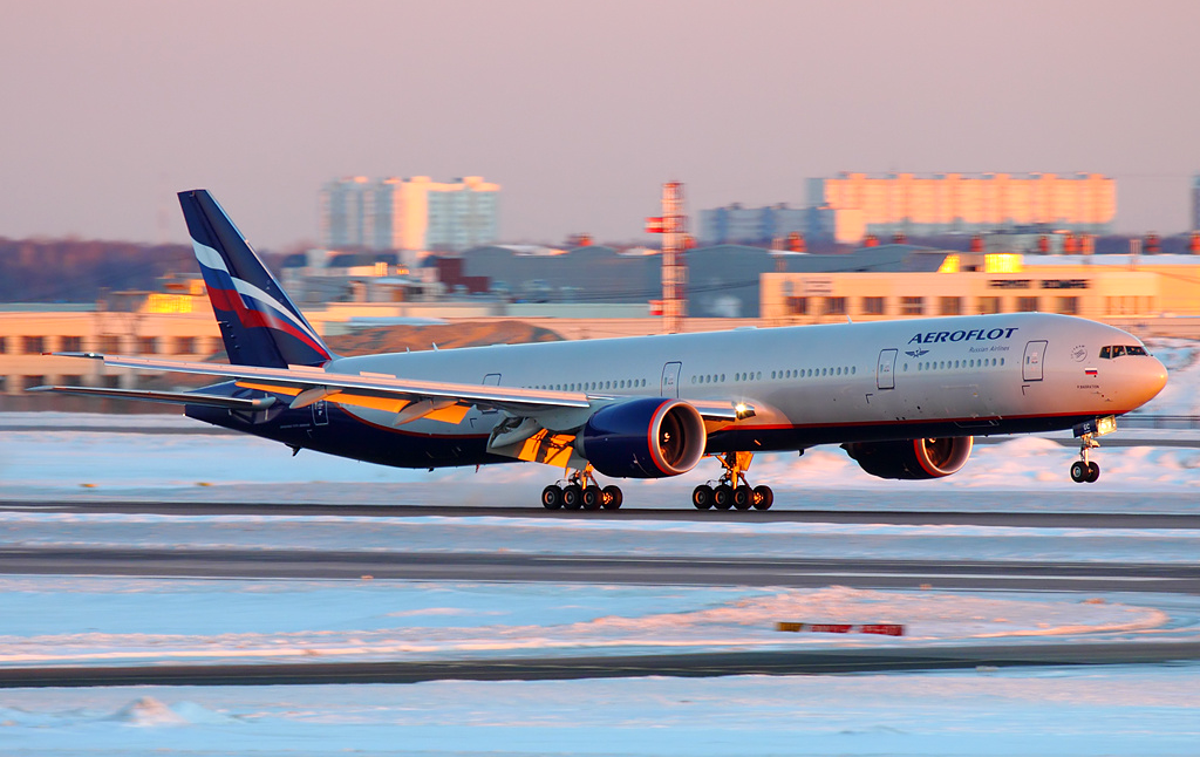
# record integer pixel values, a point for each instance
(951, 202)
(409, 214)
(735, 224)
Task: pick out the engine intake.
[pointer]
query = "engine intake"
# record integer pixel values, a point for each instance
(912, 459)
(649, 437)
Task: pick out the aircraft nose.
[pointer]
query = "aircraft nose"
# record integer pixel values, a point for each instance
(1151, 379)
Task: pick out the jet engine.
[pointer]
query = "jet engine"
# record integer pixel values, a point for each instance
(912, 458)
(649, 437)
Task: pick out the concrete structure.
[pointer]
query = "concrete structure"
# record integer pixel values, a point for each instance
(942, 203)
(409, 214)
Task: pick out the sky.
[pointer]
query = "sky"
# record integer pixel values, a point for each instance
(578, 110)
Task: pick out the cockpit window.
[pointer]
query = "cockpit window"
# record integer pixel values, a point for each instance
(1120, 350)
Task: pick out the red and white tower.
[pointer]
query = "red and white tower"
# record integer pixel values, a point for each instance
(673, 226)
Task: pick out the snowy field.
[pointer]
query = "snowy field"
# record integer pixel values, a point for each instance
(1144, 710)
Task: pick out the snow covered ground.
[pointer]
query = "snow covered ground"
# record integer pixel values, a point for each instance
(91, 621)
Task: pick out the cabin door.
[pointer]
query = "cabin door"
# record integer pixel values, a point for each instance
(885, 373)
(1031, 366)
(670, 379)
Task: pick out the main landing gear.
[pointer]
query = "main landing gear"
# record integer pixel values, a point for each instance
(581, 491)
(1083, 470)
(732, 489)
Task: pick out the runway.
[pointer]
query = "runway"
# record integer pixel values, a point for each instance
(286, 563)
(687, 665)
(1176, 511)
(679, 571)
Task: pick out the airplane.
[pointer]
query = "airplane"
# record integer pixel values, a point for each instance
(904, 398)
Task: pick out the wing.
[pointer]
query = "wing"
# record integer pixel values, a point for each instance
(408, 399)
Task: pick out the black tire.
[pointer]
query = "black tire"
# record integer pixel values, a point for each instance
(702, 497)
(1079, 472)
(612, 498)
(592, 498)
(723, 497)
(764, 497)
(743, 497)
(552, 497)
(1093, 474)
(572, 498)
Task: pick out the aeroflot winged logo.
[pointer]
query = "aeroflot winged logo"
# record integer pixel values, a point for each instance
(974, 335)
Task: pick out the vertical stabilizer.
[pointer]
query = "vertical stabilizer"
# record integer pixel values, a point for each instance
(259, 323)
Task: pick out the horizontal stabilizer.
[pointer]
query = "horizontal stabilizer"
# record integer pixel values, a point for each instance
(174, 398)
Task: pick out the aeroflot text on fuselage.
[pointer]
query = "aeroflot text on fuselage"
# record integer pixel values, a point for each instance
(974, 335)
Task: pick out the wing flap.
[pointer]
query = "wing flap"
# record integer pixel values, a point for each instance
(174, 398)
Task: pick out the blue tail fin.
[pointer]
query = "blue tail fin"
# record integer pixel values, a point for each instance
(259, 323)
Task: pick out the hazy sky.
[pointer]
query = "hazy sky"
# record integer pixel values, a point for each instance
(579, 110)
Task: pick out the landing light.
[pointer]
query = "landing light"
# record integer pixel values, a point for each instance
(743, 411)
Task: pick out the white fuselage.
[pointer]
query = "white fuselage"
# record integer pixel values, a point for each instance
(957, 376)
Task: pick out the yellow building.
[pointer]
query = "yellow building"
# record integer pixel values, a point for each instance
(968, 284)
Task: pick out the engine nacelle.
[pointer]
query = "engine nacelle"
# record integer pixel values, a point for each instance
(912, 458)
(649, 437)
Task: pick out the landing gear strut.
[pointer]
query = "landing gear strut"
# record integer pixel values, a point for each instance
(580, 490)
(1083, 470)
(732, 489)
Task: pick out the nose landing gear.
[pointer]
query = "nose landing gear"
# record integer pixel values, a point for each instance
(1083, 470)
(581, 491)
(732, 489)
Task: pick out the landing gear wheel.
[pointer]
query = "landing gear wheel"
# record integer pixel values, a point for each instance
(611, 497)
(723, 497)
(764, 497)
(572, 497)
(702, 497)
(592, 498)
(743, 497)
(552, 497)
(1093, 474)
(1080, 471)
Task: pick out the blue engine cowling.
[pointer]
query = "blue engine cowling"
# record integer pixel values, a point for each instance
(650, 437)
(913, 459)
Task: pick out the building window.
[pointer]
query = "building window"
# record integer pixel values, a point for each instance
(1068, 305)
(950, 305)
(990, 305)
(185, 345)
(147, 345)
(110, 344)
(32, 381)
(835, 306)
(872, 306)
(111, 381)
(912, 306)
(797, 306)
(216, 345)
(71, 344)
(33, 345)
(1027, 304)
(71, 379)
